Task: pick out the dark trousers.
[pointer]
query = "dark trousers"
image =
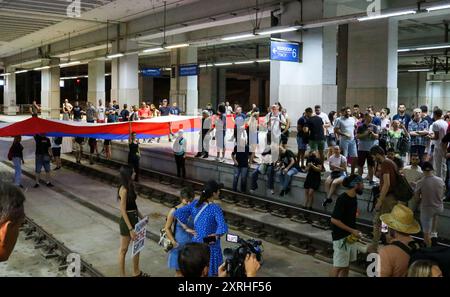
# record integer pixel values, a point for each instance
(242, 173)
(419, 150)
(133, 162)
(181, 168)
(270, 177)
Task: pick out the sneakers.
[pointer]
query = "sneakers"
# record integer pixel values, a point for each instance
(50, 185)
(287, 191)
(205, 156)
(272, 192)
(198, 155)
(326, 201)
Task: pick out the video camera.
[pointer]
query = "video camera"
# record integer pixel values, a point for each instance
(235, 258)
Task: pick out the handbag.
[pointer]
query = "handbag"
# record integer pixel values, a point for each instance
(164, 240)
(335, 174)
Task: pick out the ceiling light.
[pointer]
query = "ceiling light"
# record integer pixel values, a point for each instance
(387, 15)
(21, 71)
(205, 65)
(150, 50)
(279, 30)
(439, 7)
(168, 69)
(223, 64)
(177, 46)
(404, 50)
(114, 56)
(263, 61)
(244, 62)
(41, 68)
(5, 74)
(240, 36)
(432, 47)
(419, 70)
(69, 64)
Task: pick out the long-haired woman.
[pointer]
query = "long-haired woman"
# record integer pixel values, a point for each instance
(130, 216)
(209, 222)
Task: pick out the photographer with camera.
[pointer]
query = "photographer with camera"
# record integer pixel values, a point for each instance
(243, 261)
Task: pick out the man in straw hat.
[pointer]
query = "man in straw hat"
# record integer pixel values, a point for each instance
(394, 260)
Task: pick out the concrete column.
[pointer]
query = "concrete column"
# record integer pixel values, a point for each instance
(412, 89)
(146, 88)
(96, 81)
(372, 64)
(125, 76)
(255, 91)
(50, 91)
(221, 86)
(183, 90)
(313, 81)
(9, 93)
(208, 90)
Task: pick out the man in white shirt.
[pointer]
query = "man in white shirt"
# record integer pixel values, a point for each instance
(413, 173)
(100, 112)
(440, 127)
(324, 117)
(338, 168)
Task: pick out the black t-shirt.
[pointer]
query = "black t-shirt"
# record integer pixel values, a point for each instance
(344, 211)
(315, 125)
(287, 158)
(241, 155)
(79, 140)
(77, 112)
(165, 110)
(17, 150)
(133, 153)
(42, 145)
(301, 123)
(316, 162)
(125, 114)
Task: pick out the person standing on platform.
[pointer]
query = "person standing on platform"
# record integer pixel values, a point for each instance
(130, 216)
(164, 109)
(209, 222)
(101, 112)
(182, 233)
(35, 109)
(179, 150)
(402, 116)
(418, 130)
(367, 135)
(116, 107)
(440, 127)
(90, 113)
(345, 130)
(111, 113)
(144, 111)
(302, 141)
(134, 155)
(16, 152)
(77, 112)
(343, 226)
(204, 139)
(124, 114)
(174, 110)
(67, 109)
(43, 158)
(56, 150)
(221, 127)
(107, 149)
(315, 129)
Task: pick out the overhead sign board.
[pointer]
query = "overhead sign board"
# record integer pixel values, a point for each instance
(285, 51)
(188, 70)
(151, 72)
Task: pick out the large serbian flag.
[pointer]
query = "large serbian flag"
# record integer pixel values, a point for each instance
(151, 128)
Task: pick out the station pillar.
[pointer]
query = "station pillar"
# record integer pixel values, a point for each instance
(9, 93)
(50, 91)
(184, 89)
(96, 81)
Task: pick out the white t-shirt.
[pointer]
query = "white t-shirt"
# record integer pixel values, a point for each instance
(385, 123)
(275, 121)
(412, 175)
(326, 121)
(101, 113)
(229, 109)
(440, 126)
(337, 161)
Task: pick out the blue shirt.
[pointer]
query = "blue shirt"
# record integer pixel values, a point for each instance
(174, 111)
(405, 119)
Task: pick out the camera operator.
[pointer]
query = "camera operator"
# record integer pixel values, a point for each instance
(251, 265)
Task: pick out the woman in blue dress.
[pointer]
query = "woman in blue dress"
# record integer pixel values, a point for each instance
(183, 232)
(209, 222)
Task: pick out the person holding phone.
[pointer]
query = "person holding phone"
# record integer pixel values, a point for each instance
(130, 216)
(209, 222)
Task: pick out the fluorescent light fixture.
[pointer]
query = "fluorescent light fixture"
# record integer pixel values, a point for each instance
(404, 50)
(69, 64)
(419, 70)
(41, 68)
(21, 71)
(5, 74)
(69, 77)
(433, 47)
(205, 65)
(240, 36)
(2, 82)
(223, 64)
(243, 62)
(151, 50)
(275, 30)
(108, 74)
(387, 15)
(439, 7)
(168, 69)
(263, 61)
(177, 46)
(114, 56)
(62, 83)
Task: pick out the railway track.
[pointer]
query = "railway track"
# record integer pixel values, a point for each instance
(52, 249)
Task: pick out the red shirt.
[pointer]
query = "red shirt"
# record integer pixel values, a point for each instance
(144, 112)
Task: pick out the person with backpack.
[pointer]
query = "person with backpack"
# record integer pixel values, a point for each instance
(430, 190)
(15, 155)
(274, 122)
(179, 150)
(178, 233)
(386, 201)
(394, 258)
(56, 149)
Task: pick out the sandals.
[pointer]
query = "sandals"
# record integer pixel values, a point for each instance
(142, 274)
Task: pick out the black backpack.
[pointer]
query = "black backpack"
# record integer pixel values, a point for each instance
(402, 191)
(438, 254)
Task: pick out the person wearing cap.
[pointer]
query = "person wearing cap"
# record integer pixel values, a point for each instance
(209, 222)
(179, 150)
(393, 260)
(343, 226)
(430, 190)
(418, 130)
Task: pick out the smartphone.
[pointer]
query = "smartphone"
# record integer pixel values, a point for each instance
(209, 239)
(232, 238)
(384, 228)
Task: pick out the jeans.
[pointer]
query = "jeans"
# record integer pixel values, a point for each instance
(285, 179)
(348, 147)
(17, 171)
(242, 173)
(270, 177)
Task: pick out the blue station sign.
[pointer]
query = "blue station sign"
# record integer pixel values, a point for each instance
(188, 70)
(153, 72)
(284, 51)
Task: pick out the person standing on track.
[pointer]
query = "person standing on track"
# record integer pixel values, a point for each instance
(134, 154)
(130, 216)
(16, 154)
(179, 150)
(43, 157)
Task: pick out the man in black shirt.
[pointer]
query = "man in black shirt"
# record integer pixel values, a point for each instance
(203, 146)
(43, 157)
(288, 168)
(124, 114)
(343, 224)
(240, 157)
(302, 140)
(314, 127)
(77, 112)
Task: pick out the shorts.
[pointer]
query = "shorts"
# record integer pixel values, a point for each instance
(133, 217)
(301, 143)
(348, 148)
(428, 216)
(363, 156)
(331, 140)
(344, 253)
(42, 161)
(317, 145)
(56, 151)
